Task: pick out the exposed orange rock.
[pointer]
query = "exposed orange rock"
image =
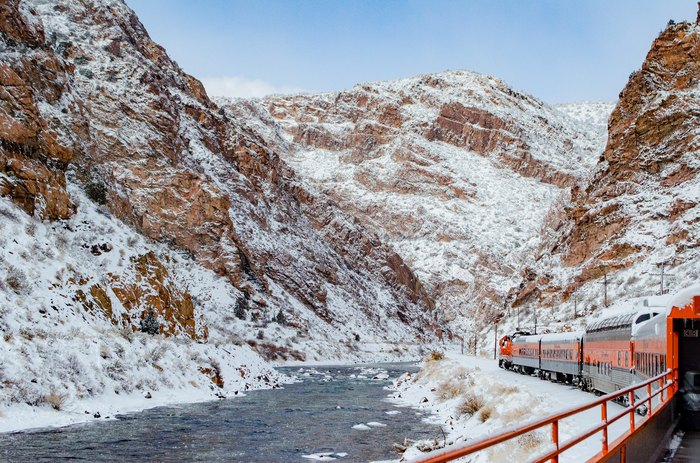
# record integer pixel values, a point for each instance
(152, 290)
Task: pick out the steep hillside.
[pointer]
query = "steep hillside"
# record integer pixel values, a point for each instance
(132, 205)
(640, 208)
(455, 171)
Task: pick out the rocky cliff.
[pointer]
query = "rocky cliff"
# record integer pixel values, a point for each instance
(132, 204)
(456, 171)
(639, 210)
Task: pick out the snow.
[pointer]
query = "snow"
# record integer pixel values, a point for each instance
(684, 297)
(57, 354)
(452, 214)
(570, 336)
(500, 400)
(361, 427)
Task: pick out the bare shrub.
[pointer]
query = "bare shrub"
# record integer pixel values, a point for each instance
(16, 279)
(96, 190)
(127, 334)
(435, 356)
(470, 405)
(55, 400)
(9, 214)
(61, 241)
(30, 228)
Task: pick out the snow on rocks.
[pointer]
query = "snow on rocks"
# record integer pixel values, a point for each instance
(60, 360)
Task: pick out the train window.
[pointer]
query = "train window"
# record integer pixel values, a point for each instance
(642, 318)
(619, 357)
(627, 359)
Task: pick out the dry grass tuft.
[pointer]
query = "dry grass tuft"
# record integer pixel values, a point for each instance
(451, 389)
(485, 414)
(529, 441)
(470, 405)
(515, 415)
(55, 400)
(436, 356)
(505, 390)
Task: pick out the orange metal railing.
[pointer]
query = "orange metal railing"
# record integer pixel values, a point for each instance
(667, 386)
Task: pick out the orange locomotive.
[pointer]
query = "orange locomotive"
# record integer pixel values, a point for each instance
(616, 351)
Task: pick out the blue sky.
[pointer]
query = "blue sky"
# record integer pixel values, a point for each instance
(558, 51)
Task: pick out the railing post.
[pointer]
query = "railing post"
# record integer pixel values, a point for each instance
(632, 407)
(661, 388)
(649, 396)
(555, 440)
(604, 416)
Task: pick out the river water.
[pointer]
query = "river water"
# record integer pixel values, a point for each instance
(306, 421)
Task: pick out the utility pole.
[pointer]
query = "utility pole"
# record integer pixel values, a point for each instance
(605, 289)
(575, 304)
(534, 311)
(663, 275)
(518, 325)
(495, 339)
(474, 343)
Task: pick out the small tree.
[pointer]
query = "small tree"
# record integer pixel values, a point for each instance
(150, 323)
(280, 318)
(241, 308)
(96, 190)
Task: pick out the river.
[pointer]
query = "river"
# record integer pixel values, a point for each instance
(333, 413)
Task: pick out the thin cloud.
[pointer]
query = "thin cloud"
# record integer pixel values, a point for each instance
(241, 87)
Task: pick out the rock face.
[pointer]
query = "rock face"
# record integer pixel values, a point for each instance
(32, 160)
(89, 102)
(640, 208)
(455, 171)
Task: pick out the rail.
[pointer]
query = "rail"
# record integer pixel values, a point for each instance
(667, 386)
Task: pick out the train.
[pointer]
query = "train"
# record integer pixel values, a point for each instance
(616, 351)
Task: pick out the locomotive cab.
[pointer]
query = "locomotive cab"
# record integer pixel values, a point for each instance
(505, 352)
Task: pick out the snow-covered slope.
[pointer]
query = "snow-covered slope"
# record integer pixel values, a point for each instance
(141, 222)
(636, 216)
(455, 170)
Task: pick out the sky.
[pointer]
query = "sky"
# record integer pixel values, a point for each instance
(558, 51)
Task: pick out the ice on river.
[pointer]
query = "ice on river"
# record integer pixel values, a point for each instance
(361, 427)
(327, 456)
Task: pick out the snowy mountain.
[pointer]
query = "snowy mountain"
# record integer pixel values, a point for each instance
(154, 240)
(456, 171)
(146, 234)
(636, 216)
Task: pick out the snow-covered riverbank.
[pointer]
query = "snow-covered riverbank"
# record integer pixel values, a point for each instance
(471, 397)
(243, 371)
